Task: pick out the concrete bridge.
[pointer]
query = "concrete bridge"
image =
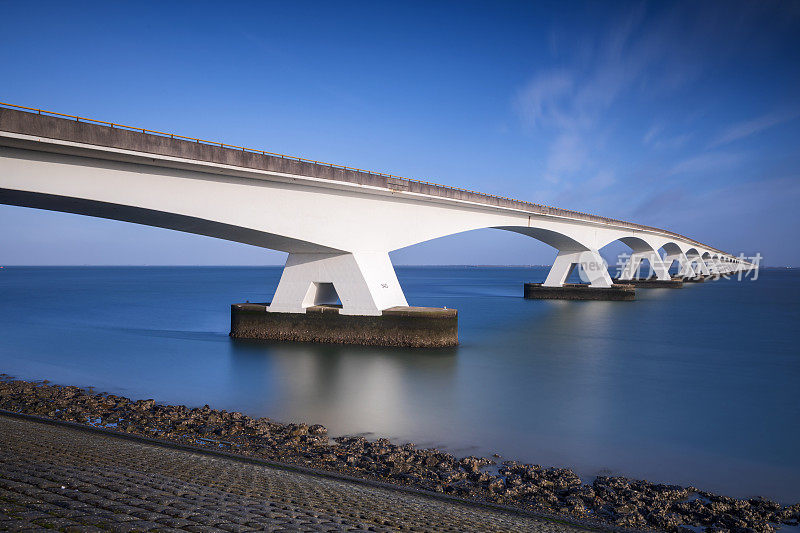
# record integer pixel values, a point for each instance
(337, 223)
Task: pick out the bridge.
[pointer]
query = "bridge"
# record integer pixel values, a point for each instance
(337, 223)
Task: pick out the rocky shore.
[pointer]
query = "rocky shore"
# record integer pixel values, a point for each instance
(614, 501)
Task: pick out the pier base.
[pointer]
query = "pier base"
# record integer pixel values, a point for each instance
(417, 327)
(696, 279)
(651, 283)
(580, 291)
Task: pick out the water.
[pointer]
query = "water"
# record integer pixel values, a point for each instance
(695, 386)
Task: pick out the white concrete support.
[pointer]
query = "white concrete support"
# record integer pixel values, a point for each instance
(365, 282)
(635, 260)
(684, 265)
(700, 267)
(592, 264)
(686, 270)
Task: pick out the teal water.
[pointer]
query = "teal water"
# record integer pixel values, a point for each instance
(696, 386)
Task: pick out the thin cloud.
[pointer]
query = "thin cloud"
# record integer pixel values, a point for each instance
(652, 133)
(625, 110)
(538, 101)
(706, 163)
(577, 104)
(659, 203)
(752, 127)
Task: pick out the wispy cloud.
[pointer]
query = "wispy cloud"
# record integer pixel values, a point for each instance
(567, 155)
(754, 126)
(655, 138)
(660, 202)
(576, 106)
(641, 73)
(539, 100)
(652, 133)
(707, 163)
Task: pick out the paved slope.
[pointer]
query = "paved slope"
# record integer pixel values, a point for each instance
(71, 480)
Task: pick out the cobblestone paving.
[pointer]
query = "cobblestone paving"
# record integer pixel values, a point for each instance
(54, 477)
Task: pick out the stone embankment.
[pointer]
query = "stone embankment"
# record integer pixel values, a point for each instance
(56, 477)
(614, 501)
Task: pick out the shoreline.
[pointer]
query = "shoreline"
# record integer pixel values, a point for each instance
(558, 492)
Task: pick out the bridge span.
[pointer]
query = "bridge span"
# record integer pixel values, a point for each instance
(337, 223)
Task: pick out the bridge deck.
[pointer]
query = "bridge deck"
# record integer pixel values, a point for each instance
(39, 123)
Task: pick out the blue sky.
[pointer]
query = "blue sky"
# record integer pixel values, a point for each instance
(680, 115)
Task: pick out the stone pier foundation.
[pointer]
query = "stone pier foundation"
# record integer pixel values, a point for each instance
(651, 283)
(416, 327)
(579, 291)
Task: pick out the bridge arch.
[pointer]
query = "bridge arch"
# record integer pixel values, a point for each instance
(643, 249)
(673, 253)
(558, 240)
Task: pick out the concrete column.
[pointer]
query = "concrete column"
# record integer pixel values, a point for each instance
(700, 267)
(684, 265)
(365, 282)
(632, 265)
(592, 264)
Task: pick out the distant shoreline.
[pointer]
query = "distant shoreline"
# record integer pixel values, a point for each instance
(281, 266)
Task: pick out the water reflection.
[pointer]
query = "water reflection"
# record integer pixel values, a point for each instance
(691, 386)
(350, 388)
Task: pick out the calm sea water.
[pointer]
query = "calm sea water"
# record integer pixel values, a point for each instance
(695, 386)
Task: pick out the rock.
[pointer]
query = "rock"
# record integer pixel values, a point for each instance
(625, 509)
(261, 426)
(470, 464)
(145, 404)
(317, 429)
(497, 485)
(296, 430)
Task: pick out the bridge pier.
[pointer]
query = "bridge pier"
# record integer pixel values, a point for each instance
(600, 286)
(364, 282)
(699, 269)
(699, 278)
(686, 270)
(413, 327)
(658, 266)
(590, 261)
(684, 265)
(651, 283)
(343, 298)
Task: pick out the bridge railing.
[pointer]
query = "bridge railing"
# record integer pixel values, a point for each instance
(393, 181)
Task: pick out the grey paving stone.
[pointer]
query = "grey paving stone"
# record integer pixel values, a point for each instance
(112, 484)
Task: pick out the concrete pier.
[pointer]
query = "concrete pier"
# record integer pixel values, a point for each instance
(416, 327)
(651, 283)
(696, 279)
(580, 291)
